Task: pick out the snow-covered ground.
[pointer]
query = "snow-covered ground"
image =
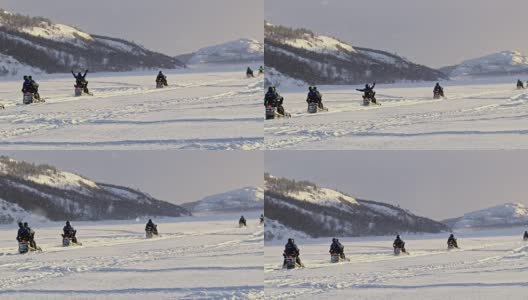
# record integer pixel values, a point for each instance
(485, 113)
(204, 257)
(491, 264)
(203, 108)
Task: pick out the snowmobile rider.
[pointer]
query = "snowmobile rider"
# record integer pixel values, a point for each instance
(438, 90)
(520, 84)
(337, 248)
(525, 237)
(30, 235)
(261, 70)
(249, 72)
(261, 218)
(369, 92)
(161, 78)
(291, 249)
(399, 243)
(242, 221)
(22, 233)
(452, 241)
(26, 85)
(151, 227)
(69, 232)
(274, 99)
(80, 81)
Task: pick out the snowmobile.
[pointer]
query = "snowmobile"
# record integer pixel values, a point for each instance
(261, 220)
(438, 94)
(397, 251)
(161, 83)
(368, 99)
(242, 224)
(30, 97)
(335, 257)
(313, 107)
(520, 85)
(66, 241)
(2, 106)
(80, 89)
(23, 246)
(272, 113)
(452, 245)
(249, 74)
(151, 233)
(291, 263)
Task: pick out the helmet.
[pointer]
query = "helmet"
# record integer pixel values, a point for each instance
(150, 220)
(314, 88)
(290, 240)
(270, 89)
(25, 77)
(334, 240)
(310, 88)
(25, 224)
(398, 236)
(20, 224)
(67, 223)
(30, 78)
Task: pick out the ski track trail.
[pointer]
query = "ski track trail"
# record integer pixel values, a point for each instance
(470, 117)
(482, 264)
(215, 111)
(194, 262)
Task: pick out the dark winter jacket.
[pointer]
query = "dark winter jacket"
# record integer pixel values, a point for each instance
(398, 243)
(150, 226)
(367, 89)
(79, 77)
(69, 231)
(291, 249)
(336, 247)
(273, 99)
(23, 234)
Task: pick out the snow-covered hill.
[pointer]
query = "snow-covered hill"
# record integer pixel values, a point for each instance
(244, 199)
(502, 63)
(31, 44)
(42, 191)
(318, 59)
(310, 210)
(509, 214)
(239, 51)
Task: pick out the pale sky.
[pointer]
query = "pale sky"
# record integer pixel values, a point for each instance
(435, 184)
(169, 26)
(173, 176)
(434, 33)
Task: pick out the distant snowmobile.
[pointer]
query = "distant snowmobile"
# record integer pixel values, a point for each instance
(525, 237)
(81, 84)
(520, 84)
(261, 70)
(438, 91)
(2, 106)
(261, 219)
(242, 222)
(369, 96)
(26, 239)
(399, 246)
(315, 101)
(69, 236)
(452, 242)
(249, 73)
(30, 91)
(291, 256)
(273, 104)
(151, 229)
(337, 251)
(161, 80)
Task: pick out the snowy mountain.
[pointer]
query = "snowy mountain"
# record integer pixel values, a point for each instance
(239, 51)
(317, 59)
(305, 208)
(41, 191)
(502, 63)
(37, 44)
(244, 199)
(505, 215)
